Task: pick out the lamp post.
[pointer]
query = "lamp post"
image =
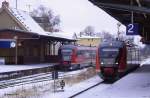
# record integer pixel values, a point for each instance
(91, 54)
(16, 50)
(118, 26)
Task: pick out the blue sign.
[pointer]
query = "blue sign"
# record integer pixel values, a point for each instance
(7, 44)
(132, 29)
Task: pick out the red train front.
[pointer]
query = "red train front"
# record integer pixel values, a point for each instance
(74, 56)
(111, 59)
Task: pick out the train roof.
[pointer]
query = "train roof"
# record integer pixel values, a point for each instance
(115, 43)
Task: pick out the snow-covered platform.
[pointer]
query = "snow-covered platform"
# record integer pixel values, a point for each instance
(134, 85)
(8, 68)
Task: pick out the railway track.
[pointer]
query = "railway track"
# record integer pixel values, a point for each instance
(28, 72)
(25, 80)
(22, 73)
(36, 78)
(75, 95)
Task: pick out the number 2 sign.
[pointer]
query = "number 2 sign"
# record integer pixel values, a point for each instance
(132, 29)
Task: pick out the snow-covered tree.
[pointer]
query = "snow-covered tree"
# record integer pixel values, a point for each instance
(46, 19)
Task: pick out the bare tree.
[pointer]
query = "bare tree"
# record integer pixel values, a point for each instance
(107, 36)
(46, 19)
(89, 31)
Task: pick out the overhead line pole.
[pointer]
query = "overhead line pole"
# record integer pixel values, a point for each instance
(16, 3)
(132, 17)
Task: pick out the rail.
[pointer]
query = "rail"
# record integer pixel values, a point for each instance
(36, 78)
(86, 89)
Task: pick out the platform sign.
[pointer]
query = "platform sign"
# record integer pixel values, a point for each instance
(7, 44)
(132, 29)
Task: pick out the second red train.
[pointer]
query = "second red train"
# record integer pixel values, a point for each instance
(75, 56)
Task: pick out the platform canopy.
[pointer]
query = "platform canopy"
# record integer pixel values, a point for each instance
(123, 10)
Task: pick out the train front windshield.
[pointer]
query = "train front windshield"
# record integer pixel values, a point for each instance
(109, 56)
(66, 54)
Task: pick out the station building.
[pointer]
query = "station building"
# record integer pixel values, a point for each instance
(88, 40)
(23, 41)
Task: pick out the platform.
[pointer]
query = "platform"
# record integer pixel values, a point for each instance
(8, 68)
(134, 85)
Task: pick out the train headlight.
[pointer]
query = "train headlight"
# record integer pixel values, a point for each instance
(116, 62)
(102, 63)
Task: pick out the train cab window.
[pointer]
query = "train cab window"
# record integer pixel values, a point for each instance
(109, 56)
(66, 54)
(109, 53)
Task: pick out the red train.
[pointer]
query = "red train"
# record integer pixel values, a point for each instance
(111, 60)
(75, 56)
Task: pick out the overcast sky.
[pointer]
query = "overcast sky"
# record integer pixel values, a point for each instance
(75, 15)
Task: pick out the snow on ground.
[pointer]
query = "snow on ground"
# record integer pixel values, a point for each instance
(70, 90)
(146, 61)
(7, 68)
(91, 92)
(134, 85)
(46, 92)
(45, 89)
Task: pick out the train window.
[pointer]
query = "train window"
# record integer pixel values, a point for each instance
(110, 49)
(109, 53)
(108, 60)
(66, 51)
(109, 56)
(66, 54)
(66, 58)
(93, 54)
(87, 54)
(80, 52)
